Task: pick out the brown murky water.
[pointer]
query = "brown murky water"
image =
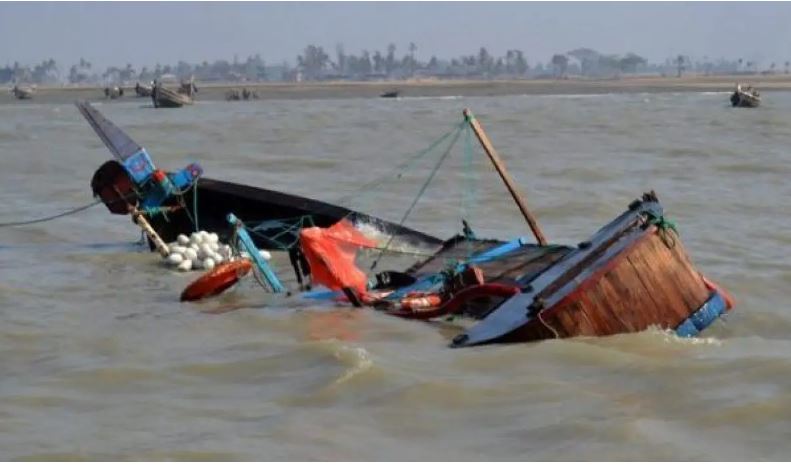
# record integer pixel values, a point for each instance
(99, 360)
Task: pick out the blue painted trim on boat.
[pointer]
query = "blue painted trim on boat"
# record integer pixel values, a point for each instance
(496, 252)
(139, 166)
(425, 283)
(434, 281)
(247, 243)
(322, 295)
(713, 308)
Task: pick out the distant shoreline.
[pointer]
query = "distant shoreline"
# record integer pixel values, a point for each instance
(436, 88)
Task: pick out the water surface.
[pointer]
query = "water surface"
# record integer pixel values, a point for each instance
(99, 360)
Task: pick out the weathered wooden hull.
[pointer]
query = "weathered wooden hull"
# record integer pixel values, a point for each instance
(651, 283)
(164, 98)
(744, 100)
(633, 274)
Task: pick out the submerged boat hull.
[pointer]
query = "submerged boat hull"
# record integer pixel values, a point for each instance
(275, 216)
(632, 275)
(648, 284)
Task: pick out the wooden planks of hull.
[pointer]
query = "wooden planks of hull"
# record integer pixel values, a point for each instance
(650, 283)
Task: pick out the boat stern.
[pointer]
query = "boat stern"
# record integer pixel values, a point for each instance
(632, 274)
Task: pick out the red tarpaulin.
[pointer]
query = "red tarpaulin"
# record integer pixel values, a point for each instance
(331, 253)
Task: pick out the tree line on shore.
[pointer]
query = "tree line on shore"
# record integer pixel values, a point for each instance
(316, 64)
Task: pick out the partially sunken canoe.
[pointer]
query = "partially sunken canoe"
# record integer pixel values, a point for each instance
(272, 212)
(633, 274)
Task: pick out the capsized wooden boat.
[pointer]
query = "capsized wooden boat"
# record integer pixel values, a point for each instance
(23, 92)
(177, 202)
(632, 274)
(745, 97)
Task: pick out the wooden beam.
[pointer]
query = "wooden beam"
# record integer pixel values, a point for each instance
(500, 167)
(141, 221)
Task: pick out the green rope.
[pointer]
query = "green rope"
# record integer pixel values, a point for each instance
(398, 171)
(664, 225)
(159, 210)
(291, 229)
(469, 187)
(423, 188)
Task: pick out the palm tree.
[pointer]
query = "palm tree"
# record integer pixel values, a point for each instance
(560, 62)
(680, 65)
(412, 49)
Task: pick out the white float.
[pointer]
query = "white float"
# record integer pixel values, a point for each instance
(199, 251)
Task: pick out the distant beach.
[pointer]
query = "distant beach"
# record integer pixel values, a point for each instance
(437, 88)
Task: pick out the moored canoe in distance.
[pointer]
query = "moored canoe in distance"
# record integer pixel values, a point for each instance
(166, 98)
(745, 97)
(113, 92)
(23, 92)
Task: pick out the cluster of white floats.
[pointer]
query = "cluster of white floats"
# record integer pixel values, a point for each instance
(201, 251)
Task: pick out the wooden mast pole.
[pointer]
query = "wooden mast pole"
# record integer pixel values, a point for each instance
(500, 167)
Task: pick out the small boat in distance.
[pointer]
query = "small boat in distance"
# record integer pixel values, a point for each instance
(390, 94)
(143, 90)
(23, 92)
(167, 98)
(244, 94)
(113, 92)
(745, 97)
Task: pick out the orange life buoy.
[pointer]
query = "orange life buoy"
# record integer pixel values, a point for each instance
(420, 301)
(218, 280)
(456, 302)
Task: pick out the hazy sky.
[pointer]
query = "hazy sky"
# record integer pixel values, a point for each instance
(147, 33)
